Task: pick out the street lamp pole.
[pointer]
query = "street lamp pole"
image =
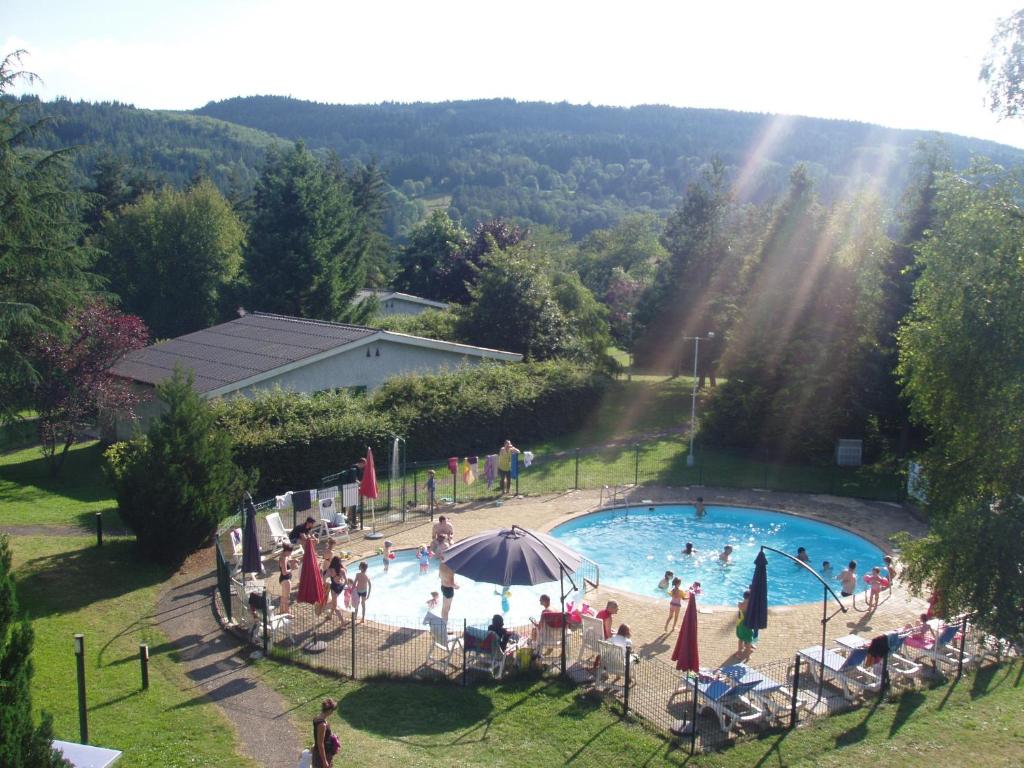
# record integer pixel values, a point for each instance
(693, 399)
(629, 319)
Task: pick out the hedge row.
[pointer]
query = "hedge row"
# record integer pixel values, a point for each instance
(293, 440)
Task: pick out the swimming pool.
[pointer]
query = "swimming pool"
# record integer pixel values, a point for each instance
(399, 597)
(635, 546)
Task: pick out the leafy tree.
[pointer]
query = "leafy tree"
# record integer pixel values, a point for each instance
(113, 186)
(174, 486)
(21, 742)
(513, 308)
(1003, 68)
(586, 317)
(76, 382)
(425, 262)
(960, 358)
(307, 245)
(173, 258)
(43, 266)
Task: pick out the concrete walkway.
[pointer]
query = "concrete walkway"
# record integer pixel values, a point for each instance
(217, 665)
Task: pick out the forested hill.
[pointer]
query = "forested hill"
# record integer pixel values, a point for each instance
(577, 168)
(581, 167)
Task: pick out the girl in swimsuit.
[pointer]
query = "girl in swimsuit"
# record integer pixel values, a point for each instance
(676, 596)
(744, 634)
(284, 563)
(336, 573)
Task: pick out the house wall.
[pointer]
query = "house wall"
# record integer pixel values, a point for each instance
(402, 307)
(354, 369)
(119, 427)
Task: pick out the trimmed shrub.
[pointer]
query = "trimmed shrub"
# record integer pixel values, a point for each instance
(293, 440)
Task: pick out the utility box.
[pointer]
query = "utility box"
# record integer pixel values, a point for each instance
(849, 453)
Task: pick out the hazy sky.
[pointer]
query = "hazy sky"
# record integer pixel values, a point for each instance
(901, 63)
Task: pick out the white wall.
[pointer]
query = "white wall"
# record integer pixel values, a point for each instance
(398, 306)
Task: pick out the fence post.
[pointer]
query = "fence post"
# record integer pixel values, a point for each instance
(885, 677)
(99, 529)
(625, 693)
(455, 486)
(464, 626)
(794, 700)
(576, 482)
(636, 464)
(415, 488)
(963, 642)
(693, 718)
(266, 632)
(352, 625)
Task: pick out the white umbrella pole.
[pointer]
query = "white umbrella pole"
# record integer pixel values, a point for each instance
(373, 517)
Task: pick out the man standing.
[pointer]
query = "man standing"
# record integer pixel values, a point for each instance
(442, 535)
(848, 581)
(448, 587)
(505, 466)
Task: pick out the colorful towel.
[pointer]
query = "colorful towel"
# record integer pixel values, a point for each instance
(453, 465)
(491, 469)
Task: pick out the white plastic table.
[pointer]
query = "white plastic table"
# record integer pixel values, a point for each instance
(85, 756)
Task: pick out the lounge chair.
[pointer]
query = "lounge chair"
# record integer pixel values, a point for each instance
(848, 672)
(611, 673)
(592, 635)
(549, 633)
(898, 664)
(483, 652)
(278, 533)
(730, 702)
(775, 697)
(236, 549)
(442, 644)
(942, 649)
(331, 523)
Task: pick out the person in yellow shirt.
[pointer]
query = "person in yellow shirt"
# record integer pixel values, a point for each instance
(505, 466)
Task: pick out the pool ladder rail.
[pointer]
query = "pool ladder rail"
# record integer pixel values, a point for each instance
(616, 496)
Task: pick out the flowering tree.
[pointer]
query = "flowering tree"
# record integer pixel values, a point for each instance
(75, 379)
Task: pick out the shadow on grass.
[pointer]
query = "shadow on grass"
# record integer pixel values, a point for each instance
(397, 711)
(858, 732)
(80, 478)
(75, 579)
(908, 704)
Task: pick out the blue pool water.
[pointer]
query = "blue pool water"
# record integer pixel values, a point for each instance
(634, 547)
(399, 597)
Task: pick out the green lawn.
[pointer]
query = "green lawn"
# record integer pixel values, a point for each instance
(30, 496)
(539, 722)
(68, 585)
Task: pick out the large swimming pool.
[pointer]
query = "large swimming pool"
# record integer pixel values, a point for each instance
(635, 546)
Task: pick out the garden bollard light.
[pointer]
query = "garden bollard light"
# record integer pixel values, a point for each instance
(99, 529)
(83, 717)
(144, 663)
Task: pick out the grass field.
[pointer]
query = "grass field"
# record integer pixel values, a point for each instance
(537, 722)
(30, 496)
(69, 585)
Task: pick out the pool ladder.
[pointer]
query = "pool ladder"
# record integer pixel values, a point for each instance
(616, 496)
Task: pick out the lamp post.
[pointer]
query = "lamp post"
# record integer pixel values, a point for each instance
(629, 319)
(693, 400)
(83, 717)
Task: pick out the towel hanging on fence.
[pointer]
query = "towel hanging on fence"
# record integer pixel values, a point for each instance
(491, 468)
(302, 501)
(527, 458)
(453, 465)
(284, 501)
(468, 475)
(515, 465)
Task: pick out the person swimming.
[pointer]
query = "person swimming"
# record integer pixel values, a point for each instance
(688, 549)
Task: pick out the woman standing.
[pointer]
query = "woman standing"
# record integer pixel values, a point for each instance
(325, 743)
(744, 634)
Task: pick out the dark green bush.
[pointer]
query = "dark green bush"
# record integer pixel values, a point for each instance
(293, 440)
(177, 484)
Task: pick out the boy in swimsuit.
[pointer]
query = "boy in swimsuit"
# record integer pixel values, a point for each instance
(448, 587)
(725, 558)
(699, 507)
(663, 584)
(848, 581)
(361, 593)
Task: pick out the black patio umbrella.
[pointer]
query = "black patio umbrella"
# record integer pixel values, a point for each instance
(511, 556)
(756, 616)
(515, 555)
(251, 561)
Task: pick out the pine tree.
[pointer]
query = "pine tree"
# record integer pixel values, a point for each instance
(307, 246)
(21, 742)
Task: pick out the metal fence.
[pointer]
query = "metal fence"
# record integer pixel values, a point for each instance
(403, 488)
(705, 711)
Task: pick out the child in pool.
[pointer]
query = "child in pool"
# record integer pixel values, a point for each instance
(388, 554)
(423, 555)
(688, 549)
(666, 580)
(433, 601)
(725, 557)
(676, 596)
(694, 588)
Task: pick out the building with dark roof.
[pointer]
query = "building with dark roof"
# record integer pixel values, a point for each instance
(263, 351)
(398, 303)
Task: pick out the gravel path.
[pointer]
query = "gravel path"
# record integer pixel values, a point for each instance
(217, 665)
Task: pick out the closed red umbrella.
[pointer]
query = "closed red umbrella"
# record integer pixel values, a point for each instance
(311, 581)
(368, 486)
(685, 654)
